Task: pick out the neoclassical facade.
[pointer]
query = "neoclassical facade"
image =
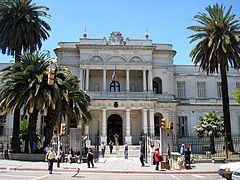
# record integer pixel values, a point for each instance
(134, 84)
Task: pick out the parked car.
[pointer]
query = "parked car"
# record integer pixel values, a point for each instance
(236, 174)
(226, 170)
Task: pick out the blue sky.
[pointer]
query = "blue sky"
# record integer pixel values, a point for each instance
(166, 21)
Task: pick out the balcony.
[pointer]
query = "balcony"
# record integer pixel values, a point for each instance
(130, 96)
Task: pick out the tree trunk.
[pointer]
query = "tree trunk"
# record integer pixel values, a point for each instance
(16, 117)
(32, 128)
(212, 145)
(226, 111)
(16, 125)
(26, 148)
(50, 123)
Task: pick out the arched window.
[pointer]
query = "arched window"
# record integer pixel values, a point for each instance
(155, 88)
(115, 86)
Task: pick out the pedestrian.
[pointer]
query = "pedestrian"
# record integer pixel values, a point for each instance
(90, 157)
(151, 154)
(157, 158)
(182, 150)
(35, 147)
(103, 148)
(46, 149)
(111, 146)
(168, 157)
(142, 158)
(50, 157)
(126, 151)
(187, 158)
(6, 149)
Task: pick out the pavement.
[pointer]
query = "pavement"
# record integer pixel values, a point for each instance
(131, 165)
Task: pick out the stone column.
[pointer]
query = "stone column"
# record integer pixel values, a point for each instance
(127, 80)
(81, 77)
(128, 137)
(144, 120)
(150, 86)
(104, 126)
(151, 121)
(144, 81)
(87, 79)
(104, 79)
(86, 129)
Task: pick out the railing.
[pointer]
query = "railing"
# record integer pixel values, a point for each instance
(200, 147)
(130, 95)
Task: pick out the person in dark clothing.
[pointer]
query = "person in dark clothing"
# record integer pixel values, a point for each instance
(90, 157)
(187, 158)
(111, 146)
(142, 158)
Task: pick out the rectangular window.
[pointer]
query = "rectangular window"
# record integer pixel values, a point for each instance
(219, 89)
(237, 84)
(182, 126)
(201, 89)
(181, 89)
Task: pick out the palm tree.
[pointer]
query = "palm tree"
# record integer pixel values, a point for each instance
(25, 86)
(69, 100)
(218, 33)
(210, 125)
(22, 30)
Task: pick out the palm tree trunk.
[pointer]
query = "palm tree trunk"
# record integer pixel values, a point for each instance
(32, 128)
(50, 123)
(212, 145)
(16, 117)
(226, 111)
(16, 125)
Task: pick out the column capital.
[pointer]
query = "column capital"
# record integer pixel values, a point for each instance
(127, 109)
(151, 110)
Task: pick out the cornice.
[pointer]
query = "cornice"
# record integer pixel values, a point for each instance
(115, 47)
(57, 50)
(171, 52)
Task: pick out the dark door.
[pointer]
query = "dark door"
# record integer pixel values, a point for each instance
(114, 126)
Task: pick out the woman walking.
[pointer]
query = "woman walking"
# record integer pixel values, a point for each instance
(50, 157)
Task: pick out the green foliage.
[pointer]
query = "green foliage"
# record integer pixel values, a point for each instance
(236, 94)
(210, 124)
(24, 126)
(22, 26)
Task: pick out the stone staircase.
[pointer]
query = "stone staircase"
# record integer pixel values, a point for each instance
(133, 151)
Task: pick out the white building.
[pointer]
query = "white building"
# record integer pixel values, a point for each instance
(134, 84)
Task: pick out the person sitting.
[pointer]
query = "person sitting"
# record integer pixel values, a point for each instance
(70, 155)
(78, 157)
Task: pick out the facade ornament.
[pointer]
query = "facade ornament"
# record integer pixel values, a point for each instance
(146, 34)
(85, 33)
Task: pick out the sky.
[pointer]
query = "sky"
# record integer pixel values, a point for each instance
(166, 21)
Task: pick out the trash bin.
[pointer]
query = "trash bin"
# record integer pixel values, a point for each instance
(208, 154)
(163, 165)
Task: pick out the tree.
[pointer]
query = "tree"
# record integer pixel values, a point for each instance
(24, 85)
(236, 94)
(69, 100)
(210, 125)
(219, 48)
(22, 29)
(24, 133)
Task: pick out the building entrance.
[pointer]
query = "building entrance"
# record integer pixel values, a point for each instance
(114, 128)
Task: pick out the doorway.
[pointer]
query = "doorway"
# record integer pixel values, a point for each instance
(114, 126)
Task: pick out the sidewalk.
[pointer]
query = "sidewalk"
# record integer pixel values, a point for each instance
(107, 165)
